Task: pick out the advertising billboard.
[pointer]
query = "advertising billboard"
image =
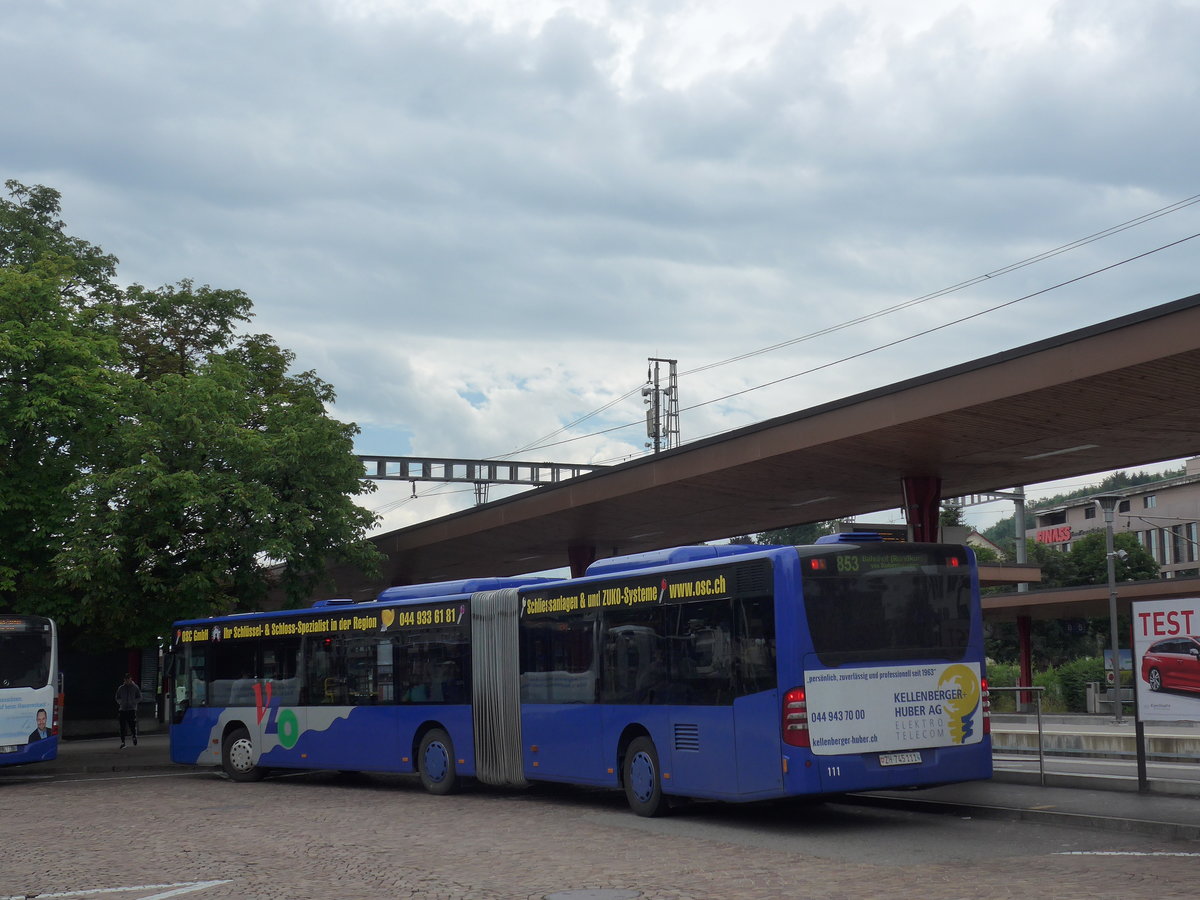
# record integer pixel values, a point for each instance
(894, 708)
(1166, 646)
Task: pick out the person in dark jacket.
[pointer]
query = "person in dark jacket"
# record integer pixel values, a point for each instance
(129, 695)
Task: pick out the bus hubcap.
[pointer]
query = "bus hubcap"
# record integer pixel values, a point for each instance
(241, 755)
(437, 761)
(641, 774)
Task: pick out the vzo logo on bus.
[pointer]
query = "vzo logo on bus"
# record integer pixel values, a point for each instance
(280, 722)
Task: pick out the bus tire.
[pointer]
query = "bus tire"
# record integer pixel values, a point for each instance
(237, 757)
(435, 762)
(642, 779)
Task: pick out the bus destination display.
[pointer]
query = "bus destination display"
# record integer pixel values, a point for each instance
(861, 563)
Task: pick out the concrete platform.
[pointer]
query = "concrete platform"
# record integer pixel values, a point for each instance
(1094, 736)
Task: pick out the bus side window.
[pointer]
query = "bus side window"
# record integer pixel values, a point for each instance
(361, 682)
(558, 659)
(231, 674)
(324, 680)
(190, 677)
(384, 668)
(633, 660)
(277, 666)
(755, 642)
(701, 651)
(433, 666)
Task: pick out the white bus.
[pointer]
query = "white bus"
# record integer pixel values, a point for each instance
(30, 702)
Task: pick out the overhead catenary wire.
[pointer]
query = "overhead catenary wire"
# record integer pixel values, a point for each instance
(962, 285)
(958, 321)
(544, 441)
(889, 344)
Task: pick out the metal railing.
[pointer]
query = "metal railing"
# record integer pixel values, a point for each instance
(1037, 702)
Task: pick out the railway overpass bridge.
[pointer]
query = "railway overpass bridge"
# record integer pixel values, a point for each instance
(1122, 393)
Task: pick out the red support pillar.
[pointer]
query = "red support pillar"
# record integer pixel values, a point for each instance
(922, 497)
(580, 556)
(1026, 649)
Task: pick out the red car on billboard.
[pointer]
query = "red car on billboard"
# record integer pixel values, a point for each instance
(1173, 663)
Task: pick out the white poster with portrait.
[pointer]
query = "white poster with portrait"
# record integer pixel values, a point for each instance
(1166, 651)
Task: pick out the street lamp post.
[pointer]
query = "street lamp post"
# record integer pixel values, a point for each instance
(1108, 503)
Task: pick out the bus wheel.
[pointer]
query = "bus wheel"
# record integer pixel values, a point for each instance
(643, 785)
(436, 763)
(237, 757)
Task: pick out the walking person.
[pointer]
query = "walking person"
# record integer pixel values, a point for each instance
(129, 695)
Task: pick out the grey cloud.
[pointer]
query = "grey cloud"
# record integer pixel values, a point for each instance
(436, 213)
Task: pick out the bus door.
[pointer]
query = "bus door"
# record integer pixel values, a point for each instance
(560, 720)
(562, 743)
(756, 735)
(347, 723)
(726, 740)
(756, 709)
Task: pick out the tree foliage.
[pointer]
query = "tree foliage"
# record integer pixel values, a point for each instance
(1087, 561)
(792, 535)
(1055, 642)
(31, 234)
(952, 517)
(159, 463)
(57, 390)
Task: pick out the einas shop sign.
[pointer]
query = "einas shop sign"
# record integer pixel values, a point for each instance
(1059, 535)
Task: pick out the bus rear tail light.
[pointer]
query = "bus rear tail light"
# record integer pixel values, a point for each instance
(986, 699)
(795, 718)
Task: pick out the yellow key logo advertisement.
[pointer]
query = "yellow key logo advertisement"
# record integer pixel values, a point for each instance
(894, 707)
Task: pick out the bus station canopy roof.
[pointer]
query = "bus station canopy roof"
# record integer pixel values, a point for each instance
(1122, 393)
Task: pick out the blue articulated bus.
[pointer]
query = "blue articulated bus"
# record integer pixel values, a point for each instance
(30, 694)
(733, 673)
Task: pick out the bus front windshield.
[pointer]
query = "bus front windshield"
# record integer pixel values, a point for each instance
(868, 605)
(24, 659)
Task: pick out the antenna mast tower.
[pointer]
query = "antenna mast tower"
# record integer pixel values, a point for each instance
(662, 417)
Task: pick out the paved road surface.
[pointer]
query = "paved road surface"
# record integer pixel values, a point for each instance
(158, 833)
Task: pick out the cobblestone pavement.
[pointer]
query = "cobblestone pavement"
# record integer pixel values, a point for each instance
(322, 836)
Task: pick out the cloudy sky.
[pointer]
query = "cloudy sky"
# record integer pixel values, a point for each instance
(478, 220)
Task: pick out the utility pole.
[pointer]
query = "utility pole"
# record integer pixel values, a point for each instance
(662, 416)
(1108, 503)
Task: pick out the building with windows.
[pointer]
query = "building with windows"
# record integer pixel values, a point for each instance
(1164, 515)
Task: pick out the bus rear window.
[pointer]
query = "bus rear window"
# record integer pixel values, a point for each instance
(24, 660)
(907, 603)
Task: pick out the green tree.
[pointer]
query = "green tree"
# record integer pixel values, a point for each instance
(31, 233)
(986, 555)
(57, 394)
(1052, 641)
(159, 464)
(1056, 642)
(797, 535)
(1055, 565)
(172, 330)
(792, 535)
(951, 516)
(1087, 561)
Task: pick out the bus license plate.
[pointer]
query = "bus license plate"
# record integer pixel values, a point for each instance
(899, 759)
